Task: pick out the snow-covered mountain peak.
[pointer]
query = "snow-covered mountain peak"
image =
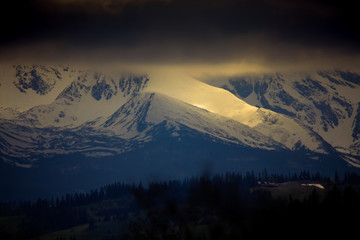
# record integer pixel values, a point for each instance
(326, 101)
(219, 101)
(145, 111)
(25, 86)
(88, 97)
(103, 87)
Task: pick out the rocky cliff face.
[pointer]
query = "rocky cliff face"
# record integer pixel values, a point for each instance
(40, 79)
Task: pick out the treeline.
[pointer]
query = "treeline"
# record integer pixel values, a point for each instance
(118, 190)
(232, 206)
(64, 212)
(228, 205)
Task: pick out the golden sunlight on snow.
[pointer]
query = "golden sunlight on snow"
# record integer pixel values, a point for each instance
(194, 92)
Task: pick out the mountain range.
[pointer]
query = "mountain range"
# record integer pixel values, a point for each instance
(73, 128)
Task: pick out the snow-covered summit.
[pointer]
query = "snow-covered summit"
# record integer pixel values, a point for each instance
(328, 102)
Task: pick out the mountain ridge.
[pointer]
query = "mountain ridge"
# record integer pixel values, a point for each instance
(114, 112)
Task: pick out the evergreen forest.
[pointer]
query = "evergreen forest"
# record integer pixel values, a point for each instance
(226, 206)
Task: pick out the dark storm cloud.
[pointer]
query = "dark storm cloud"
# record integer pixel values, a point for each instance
(180, 30)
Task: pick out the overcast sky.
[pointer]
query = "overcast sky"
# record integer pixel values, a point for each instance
(268, 34)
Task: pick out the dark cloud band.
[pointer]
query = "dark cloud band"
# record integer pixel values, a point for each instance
(181, 30)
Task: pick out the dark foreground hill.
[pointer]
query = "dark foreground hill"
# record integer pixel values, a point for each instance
(229, 206)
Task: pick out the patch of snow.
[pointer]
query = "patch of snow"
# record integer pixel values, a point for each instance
(98, 154)
(22, 165)
(317, 185)
(352, 161)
